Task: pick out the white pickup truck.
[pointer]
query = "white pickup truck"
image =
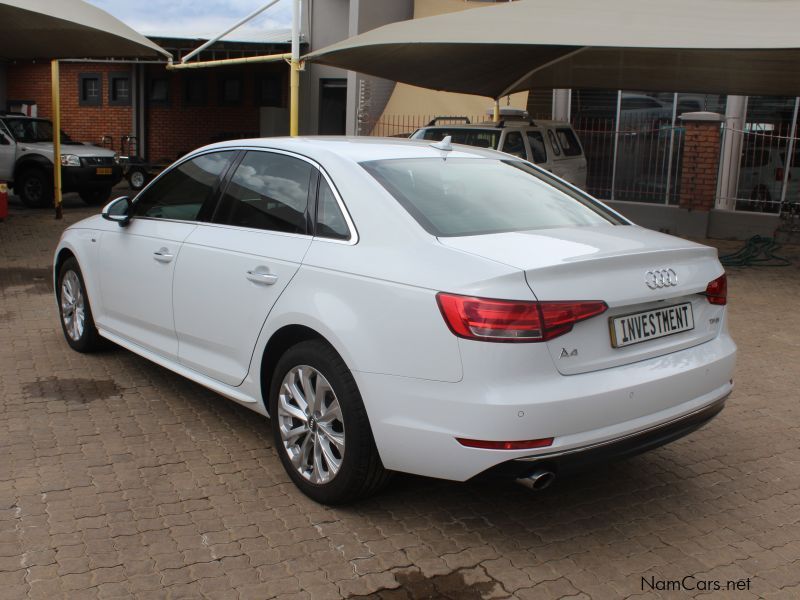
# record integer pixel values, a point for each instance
(26, 163)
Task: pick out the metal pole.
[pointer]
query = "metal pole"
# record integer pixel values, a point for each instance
(55, 82)
(496, 111)
(671, 146)
(215, 39)
(616, 145)
(787, 163)
(294, 75)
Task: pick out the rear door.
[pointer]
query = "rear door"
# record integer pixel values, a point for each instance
(568, 161)
(137, 262)
(233, 269)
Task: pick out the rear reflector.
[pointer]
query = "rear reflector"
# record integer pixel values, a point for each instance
(517, 445)
(511, 320)
(717, 290)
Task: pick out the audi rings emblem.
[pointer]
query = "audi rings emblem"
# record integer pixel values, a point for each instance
(660, 278)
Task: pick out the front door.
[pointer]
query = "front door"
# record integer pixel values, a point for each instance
(137, 262)
(232, 271)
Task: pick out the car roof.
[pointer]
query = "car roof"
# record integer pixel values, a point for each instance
(358, 149)
(507, 124)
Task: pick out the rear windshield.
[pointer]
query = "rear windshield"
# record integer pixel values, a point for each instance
(467, 196)
(482, 138)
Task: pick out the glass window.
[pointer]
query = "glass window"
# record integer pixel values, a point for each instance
(231, 91)
(553, 142)
(482, 138)
(181, 192)
(536, 141)
(513, 144)
(456, 197)
(330, 220)
(90, 89)
(268, 191)
(119, 92)
(568, 142)
(195, 90)
(159, 91)
(269, 90)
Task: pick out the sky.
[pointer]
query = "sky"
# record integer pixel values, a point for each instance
(198, 18)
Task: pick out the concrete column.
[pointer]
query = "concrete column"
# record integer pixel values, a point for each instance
(731, 152)
(562, 104)
(700, 161)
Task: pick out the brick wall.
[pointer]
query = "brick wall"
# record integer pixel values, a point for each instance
(81, 123)
(700, 163)
(173, 128)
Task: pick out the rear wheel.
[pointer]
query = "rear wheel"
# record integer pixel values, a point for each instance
(76, 313)
(320, 426)
(35, 188)
(137, 178)
(96, 197)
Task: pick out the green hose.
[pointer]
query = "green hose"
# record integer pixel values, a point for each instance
(757, 252)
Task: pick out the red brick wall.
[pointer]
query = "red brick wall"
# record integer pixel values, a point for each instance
(701, 150)
(172, 129)
(81, 123)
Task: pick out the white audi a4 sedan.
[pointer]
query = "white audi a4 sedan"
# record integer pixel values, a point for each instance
(440, 310)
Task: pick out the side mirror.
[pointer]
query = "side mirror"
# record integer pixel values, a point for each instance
(119, 211)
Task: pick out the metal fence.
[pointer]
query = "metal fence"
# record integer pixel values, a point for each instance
(405, 125)
(769, 168)
(640, 162)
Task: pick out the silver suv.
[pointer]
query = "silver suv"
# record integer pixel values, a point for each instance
(552, 145)
(26, 163)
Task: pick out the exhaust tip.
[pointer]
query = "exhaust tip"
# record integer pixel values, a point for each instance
(538, 480)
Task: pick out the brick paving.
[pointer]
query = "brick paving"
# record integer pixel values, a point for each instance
(119, 479)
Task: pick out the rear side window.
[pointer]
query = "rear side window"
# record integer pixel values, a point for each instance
(568, 141)
(267, 191)
(181, 192)
(330, 220)
(553, 142)
(456, 197)
(536, 142)
(514, 145)
(481, 138)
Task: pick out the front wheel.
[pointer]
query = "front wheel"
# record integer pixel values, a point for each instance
(35, 188)
(320, 426)
(76, 313)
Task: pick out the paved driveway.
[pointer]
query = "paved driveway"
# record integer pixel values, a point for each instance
(120, 479)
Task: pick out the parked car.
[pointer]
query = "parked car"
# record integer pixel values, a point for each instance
(761, 175)
(26, 163)
(553, 145)
(405, 306)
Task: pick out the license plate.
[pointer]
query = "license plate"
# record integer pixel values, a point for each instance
(651, 324)
(103, 170)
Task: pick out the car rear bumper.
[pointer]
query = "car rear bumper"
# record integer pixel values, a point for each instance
(416, 422)
(86, 178)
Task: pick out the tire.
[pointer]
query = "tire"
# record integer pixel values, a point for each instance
(95, 197)
(359, 472)
(137, 178)
(35, 188)
(81, 334)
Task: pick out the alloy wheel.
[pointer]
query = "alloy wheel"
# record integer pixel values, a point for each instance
(311, 424)
(73, 308)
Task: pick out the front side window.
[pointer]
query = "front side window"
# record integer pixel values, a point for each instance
(457, 197)
(514, 145)
(539, 152)
(268, 191)
(330, 220)
(182, 192)
(568, 142)
(33, 130)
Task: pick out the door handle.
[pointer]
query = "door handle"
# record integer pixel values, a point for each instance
(163, 255)
(262, 275)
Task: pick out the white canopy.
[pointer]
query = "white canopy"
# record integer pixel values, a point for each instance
(715, 46)
(47, 29)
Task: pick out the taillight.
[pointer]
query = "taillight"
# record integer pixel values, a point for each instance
(515, 445)
(717, 290)
(512, 320)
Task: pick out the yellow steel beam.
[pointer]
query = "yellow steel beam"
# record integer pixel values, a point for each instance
(56, 91)
(202, 64)
(496, 112)
(294, 98)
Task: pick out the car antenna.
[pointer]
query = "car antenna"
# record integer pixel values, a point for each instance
(445, 144)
